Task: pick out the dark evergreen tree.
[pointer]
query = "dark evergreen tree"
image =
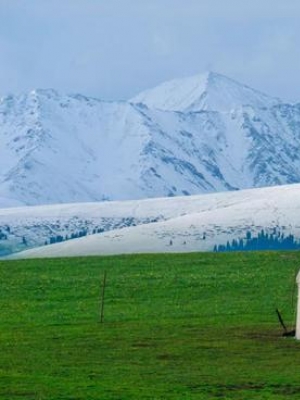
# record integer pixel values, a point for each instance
(263, 241)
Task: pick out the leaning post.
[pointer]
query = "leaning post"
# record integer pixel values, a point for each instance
(298, 308)
(102, 298)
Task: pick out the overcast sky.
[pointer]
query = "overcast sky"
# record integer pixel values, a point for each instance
(112, 49)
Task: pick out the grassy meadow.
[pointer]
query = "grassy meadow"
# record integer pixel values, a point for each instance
(181, 326)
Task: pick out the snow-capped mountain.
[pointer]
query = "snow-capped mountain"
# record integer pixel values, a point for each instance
(196, 135)
(205, 92)
(178, 224)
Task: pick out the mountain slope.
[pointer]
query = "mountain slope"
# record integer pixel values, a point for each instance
(209, 92)
(195, 223)
(59, 149)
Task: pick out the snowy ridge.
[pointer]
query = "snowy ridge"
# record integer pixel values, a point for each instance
(205, 92)
(198, 135)
(195, 223)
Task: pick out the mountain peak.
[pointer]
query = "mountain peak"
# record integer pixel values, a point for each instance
(47, 92)
(57, 148)
(207, 91)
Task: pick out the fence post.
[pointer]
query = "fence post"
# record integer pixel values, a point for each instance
(298, 308)
(102, 298)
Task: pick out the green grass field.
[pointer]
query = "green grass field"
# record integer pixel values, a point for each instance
(189, 326)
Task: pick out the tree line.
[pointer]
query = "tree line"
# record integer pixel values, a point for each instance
(275, 240)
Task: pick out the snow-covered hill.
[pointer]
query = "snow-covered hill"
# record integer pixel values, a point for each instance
(197, 135)
(195, 223)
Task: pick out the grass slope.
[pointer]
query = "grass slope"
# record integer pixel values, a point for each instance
(189, 326)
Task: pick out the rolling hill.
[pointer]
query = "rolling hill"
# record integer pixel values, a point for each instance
(178, 224)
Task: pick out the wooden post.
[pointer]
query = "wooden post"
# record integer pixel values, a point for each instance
(102, 298)
(298, 308)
